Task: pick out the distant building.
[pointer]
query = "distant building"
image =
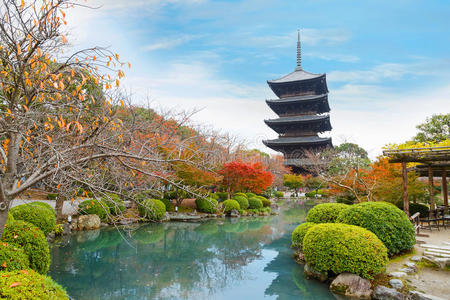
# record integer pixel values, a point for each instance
(303, 110)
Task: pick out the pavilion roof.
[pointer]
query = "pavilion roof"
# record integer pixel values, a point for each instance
(293, 141)
(297, 119)
(296, 99)
(419, 155)
(297, 75)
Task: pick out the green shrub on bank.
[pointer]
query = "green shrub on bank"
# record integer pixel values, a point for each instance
(43, 204)
(52, 196)
(214, 196)
(241, 195)
(222, 196)
(207, 205)
(243, 202)
(266, 202)
(386, 221)
(255, 203)
(250, 195)
(325, 212)
(417, 207)
(152, 209)
(279, 194)
(13, 257)
(299, 233)
(167, 203)
(36, 214)
(338, 248)
(32, 241)
(94, 207)
(229, 205)
(27, 284)
(115, 205)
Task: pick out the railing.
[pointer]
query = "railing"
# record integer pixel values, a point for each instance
(415, 219)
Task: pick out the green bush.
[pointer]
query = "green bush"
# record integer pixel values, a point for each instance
(325, 212)
(114, 203)
(152, 209)
(279, 194)
(13, 257)
(206, 205)
(255, 203)
(94, 207)
(32, 241)
(241, 195)
(339, 248)
(167, 203)
(243, 202)
(417, 207)
(214, 196)
(36, 214)
(250, 195)
(229, 205)
(299, 233)
(43, 204)
(52, 196)
(27, 284)
(222, 196)
(346, 199)
(386, 221)
(266, 202)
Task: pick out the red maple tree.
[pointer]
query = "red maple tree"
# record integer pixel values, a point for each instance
(240, 176)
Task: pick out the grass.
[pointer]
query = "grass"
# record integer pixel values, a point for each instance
(402, 256)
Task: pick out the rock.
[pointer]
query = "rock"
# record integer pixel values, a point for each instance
(234, 214)
(442, 262)
(396, 284)
(265, 214)
(90, 235)
(50, 237)
(412, 266)
(416, 258)
(299, 256)
(274, 206)
(103, 224)
(88, 222)
(66, 229)
(408, 270)
(397, 274)
(125, 222)
(414, 295)
(383, 293)
(351, 285)
(310, 272)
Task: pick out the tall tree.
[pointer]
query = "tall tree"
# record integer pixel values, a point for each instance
(435, 129)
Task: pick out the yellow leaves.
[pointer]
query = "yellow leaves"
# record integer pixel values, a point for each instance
(14, 284)
(117, 83)
(19, 51)
(49, 139)
(63, 39)
(121, 74)
(22, 4)
(25, 107)
(58, 186)
(18, 184)
(94, 58)
(117, 56)
(122, 103)
(129, 66)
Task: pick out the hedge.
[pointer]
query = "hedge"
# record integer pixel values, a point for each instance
(27, 284)
(417, 207)
(32, 241)
(167, 203)
(229, 205)
(222, 196)
(338, 248)
(152, 209)
(43, 204)
(299, 234)
(36, 214)
(255, 203)
(325, 213)
(206, 205)
(385, 220)
(243, 202)
(240, 194)
(114, 203)
(94, 207)
(250, 195)
(13, 257)
(266, 202)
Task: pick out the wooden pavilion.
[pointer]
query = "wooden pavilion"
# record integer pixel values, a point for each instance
(432, 162)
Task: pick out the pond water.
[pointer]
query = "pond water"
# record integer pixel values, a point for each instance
(245, 258)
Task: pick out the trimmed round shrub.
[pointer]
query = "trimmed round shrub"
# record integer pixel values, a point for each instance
(32, 241)
(417, 207)
(13, 257)
(299, 233)
(43, 204)
(222, 196)
(167, 203)
(27, 284)
(36, 214)
(266, 202)
(255, 203)
(386, 221)
(240, 194)
(207, 205)
(115, 204)
(338, 248)
(229, 205)
(94, 207)
(325, 212)
(214, 196)
(152, 209)
(279, 194)
(250, 195)
(243, 202)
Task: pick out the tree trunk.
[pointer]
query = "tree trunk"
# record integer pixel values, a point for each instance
(4, 208)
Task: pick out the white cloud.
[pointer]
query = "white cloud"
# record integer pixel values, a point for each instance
(169, 43)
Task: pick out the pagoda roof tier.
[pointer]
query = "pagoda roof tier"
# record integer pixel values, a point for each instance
(299, 104)
(297, 75)
(300, 142)
(316, 123)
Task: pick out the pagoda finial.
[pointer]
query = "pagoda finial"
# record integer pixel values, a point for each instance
(299, 53)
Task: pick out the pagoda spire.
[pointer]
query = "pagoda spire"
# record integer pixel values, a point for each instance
(299, 53)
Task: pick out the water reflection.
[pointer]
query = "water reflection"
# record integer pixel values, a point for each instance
(247, 258)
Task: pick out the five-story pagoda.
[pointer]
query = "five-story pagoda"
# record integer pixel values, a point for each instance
(303, 110)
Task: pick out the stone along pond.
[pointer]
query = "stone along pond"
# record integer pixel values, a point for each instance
(244, 258)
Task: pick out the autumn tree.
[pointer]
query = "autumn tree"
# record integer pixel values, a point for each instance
(294, 182)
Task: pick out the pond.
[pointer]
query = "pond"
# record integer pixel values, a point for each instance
(244, 258)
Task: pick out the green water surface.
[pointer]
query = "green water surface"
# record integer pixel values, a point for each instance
(245, 258)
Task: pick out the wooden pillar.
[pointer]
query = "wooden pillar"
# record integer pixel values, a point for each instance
(445, 189)
(431, 188)
(405, 189)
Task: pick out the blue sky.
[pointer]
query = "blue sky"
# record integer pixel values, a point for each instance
(387, 62)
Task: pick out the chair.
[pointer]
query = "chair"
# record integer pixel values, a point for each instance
(432, 219)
